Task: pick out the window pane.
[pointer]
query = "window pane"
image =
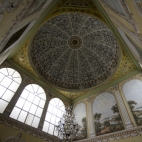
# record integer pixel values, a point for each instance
(33, 109)
(18, 80)
(50, 107)
(57, 120)
(35, 122)
(59, 113)
(55, 132)
(16, 74)
(42, 96)
(56, 101)
(51, 128)
(2, 90)
(39, 112)
(4, 71)
(60, 103)
(29, 88)
(52, 102)
(29, 119)
(36, 100)
(53, 118)
(15, 112)
(10, 71)
(25, 94)
(54, 110)
(31, 97)
(1, 77)
(48, 116)
(6, 82)
(40, 90)
(3, 105)
(22, 116)
(35, 87)
(45, 126)
(27, 106)
(41, 104)
(20, 102)
(62, 108)
(8, 95)
(13, 86)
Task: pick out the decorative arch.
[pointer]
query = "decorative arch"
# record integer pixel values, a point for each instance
(106, 114)
(133, 94)
(29, 106)
(80, 116)
(10, 80)
(54, 113)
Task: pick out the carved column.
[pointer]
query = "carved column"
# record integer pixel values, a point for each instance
(40, 126)
(128, 123)
(16, 96)
(90, 120)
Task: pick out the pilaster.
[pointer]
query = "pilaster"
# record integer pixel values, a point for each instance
(42, 119)
(128, 123)
(90, 120)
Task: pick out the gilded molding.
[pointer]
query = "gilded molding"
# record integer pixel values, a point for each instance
(21, 58)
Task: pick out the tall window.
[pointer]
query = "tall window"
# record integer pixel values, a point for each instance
(29, 106)
(9, 83)
(54, 113)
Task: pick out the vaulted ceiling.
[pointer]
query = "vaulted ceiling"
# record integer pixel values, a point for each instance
(74, 48)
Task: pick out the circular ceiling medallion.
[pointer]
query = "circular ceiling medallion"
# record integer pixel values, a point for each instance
(74, 51)
(75, 42)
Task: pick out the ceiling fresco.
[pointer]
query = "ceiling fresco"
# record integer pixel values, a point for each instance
(126, 66)
(74, 51)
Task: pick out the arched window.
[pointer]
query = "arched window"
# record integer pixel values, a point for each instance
(29, 106)
(9, 83)
(80, 116)
(106, 114)
(133, 93)
(54, 113)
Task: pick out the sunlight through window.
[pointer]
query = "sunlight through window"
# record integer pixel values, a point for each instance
(54, 113)
(9, 83)
(29, 106)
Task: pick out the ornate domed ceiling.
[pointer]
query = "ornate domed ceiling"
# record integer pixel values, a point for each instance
(74, 51)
